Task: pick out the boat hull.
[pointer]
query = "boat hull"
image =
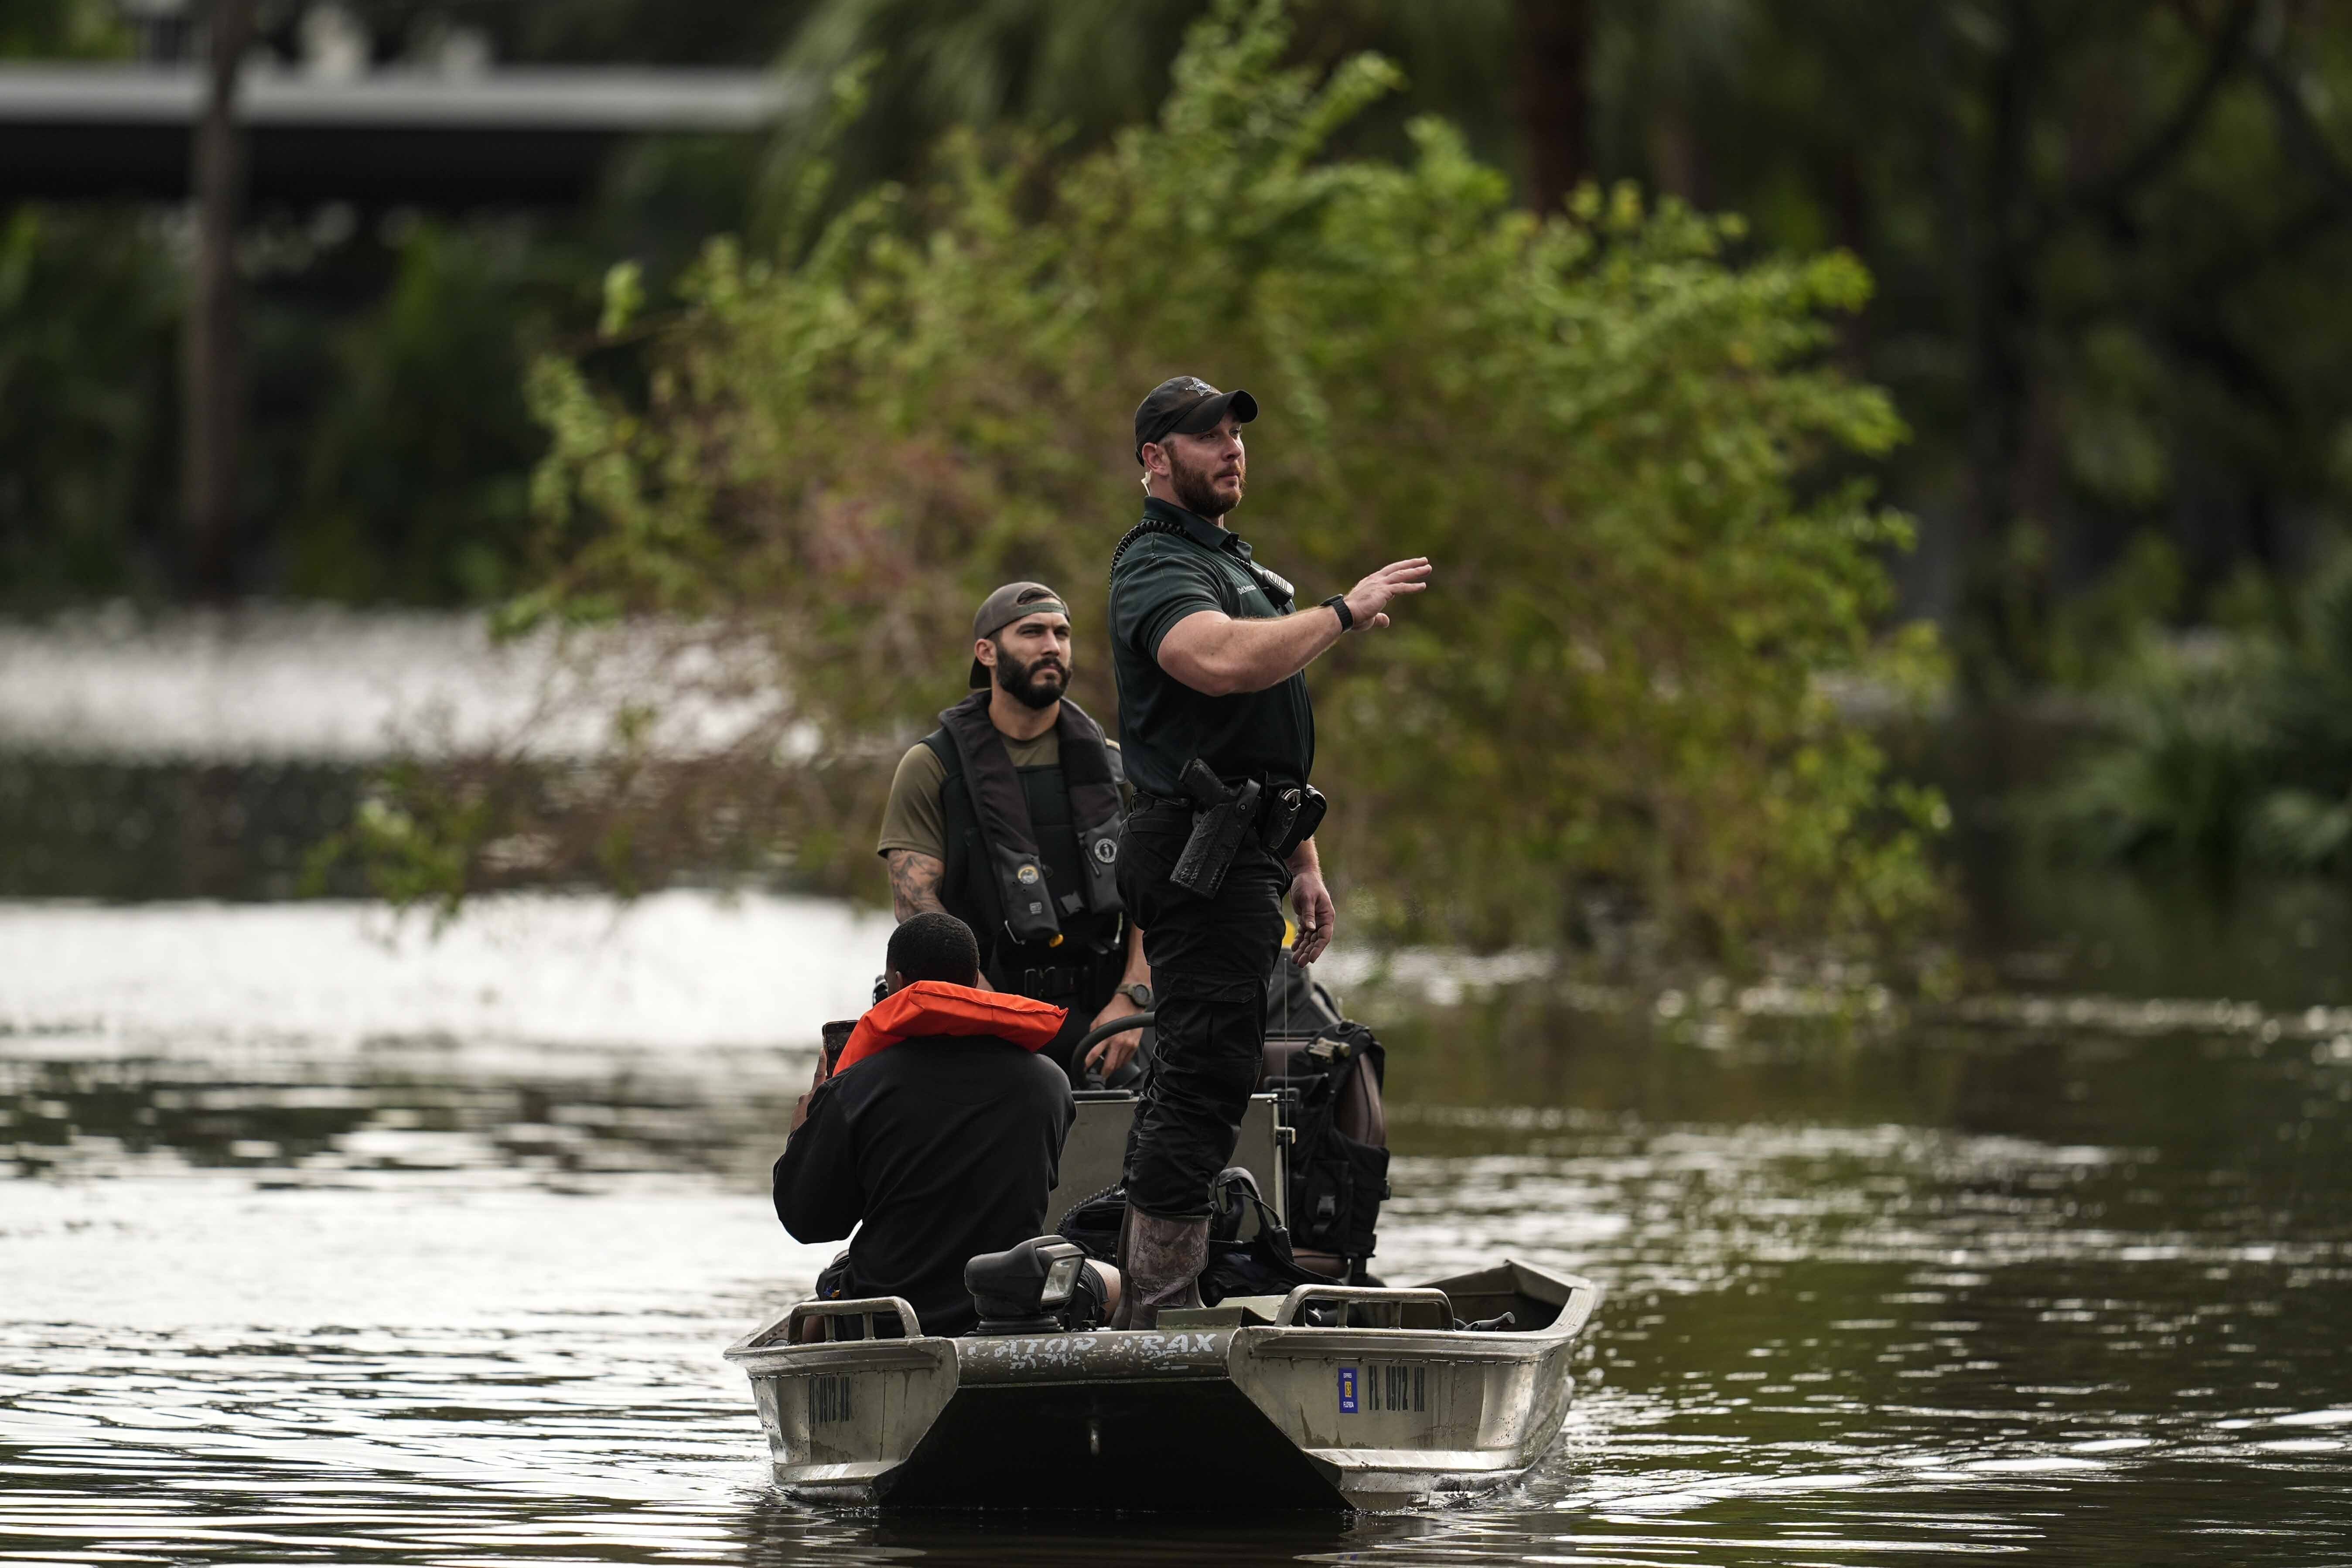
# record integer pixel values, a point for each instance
(1256, 1415)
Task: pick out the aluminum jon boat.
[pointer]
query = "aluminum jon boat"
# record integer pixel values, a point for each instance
(1334, 1396)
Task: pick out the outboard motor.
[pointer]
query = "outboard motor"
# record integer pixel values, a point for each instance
(1042, 1286)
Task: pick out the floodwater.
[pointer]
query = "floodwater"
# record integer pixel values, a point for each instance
(323, 1242)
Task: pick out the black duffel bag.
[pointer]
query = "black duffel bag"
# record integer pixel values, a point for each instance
(1331, 1068)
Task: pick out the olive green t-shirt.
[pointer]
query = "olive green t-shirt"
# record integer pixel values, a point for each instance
(914, 819)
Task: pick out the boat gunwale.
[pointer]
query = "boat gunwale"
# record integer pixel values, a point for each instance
(1285, 1340)
(1210, 1360)
(1395, 1344)
(870, 1355)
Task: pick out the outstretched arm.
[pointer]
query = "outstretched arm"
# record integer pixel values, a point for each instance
(914, 882)
(1218, 655)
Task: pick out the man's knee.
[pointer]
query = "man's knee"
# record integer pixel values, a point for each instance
(1228, 1076)
(1212, 1028)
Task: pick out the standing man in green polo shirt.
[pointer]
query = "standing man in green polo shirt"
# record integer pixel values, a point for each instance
(1007, 817)
(1209, 649)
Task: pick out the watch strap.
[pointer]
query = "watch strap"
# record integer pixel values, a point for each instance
(1338, 603)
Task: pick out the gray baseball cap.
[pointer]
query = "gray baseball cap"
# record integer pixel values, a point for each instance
(1003, 607)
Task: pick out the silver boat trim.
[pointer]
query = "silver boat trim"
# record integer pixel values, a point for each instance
(777, 1344)
(883, 1355)
(1399, 1306)
(1327, 1343)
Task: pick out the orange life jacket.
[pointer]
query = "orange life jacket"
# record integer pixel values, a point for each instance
(936, 1007)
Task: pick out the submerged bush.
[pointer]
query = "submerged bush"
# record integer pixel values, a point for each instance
(2184, 768)
(1615, 444)
(2231, 748)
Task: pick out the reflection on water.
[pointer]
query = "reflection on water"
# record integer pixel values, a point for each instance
(675, 969)
(261, 683)
(2039, 1287)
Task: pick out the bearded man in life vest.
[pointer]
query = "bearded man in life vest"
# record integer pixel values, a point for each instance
(1007, 817)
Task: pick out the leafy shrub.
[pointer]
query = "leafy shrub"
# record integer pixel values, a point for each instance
(2185, 767)
(1617, 445)
(2230, 749)
(90, 305)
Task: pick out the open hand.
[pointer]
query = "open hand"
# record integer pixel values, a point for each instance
(1311, 902)
(1370, 598)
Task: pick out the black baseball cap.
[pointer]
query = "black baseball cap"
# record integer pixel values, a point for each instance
(1002, 608)
(1187, 405)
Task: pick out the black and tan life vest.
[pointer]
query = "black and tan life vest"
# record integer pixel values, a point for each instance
(1032, 852)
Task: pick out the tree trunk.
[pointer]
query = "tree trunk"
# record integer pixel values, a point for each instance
(1555, 92)
(214, 385)
(2006, 581)
(1675, 166)
(1849, 202)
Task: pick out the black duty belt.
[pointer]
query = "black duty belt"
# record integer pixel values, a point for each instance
(1054, 980)
(1145, 800)
(1276, 815)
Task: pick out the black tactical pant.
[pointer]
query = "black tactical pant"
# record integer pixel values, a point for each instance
(1208, 962)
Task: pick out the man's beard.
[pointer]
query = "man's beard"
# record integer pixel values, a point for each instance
(1022, 684)
(1196, 490)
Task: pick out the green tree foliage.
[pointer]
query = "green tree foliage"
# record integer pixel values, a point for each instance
(89, 313)
(2230, 750)
(410, 474)
(390, 446)
(2109, 238)
(1620, 449)
(68, 28)
(89, 307)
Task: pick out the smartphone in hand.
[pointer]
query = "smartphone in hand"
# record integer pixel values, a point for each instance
(835, 1036)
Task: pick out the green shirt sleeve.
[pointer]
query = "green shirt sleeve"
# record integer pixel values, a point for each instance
(914, 819)
(1158, 591)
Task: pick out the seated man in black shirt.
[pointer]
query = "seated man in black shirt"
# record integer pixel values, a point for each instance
(939, 1134)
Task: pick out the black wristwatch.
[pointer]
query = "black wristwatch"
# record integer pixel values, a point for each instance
(1338, 602)
(1138, 993)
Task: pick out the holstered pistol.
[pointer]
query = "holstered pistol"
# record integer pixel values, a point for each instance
(1221, 818)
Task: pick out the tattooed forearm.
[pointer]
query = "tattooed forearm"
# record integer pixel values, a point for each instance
(915, 883)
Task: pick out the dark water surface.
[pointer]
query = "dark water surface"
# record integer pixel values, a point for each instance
(2057, 1279)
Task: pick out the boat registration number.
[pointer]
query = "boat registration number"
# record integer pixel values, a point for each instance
(828, 1398)
(1383, 1386)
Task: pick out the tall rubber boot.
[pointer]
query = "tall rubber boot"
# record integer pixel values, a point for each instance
(1165, 1258)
